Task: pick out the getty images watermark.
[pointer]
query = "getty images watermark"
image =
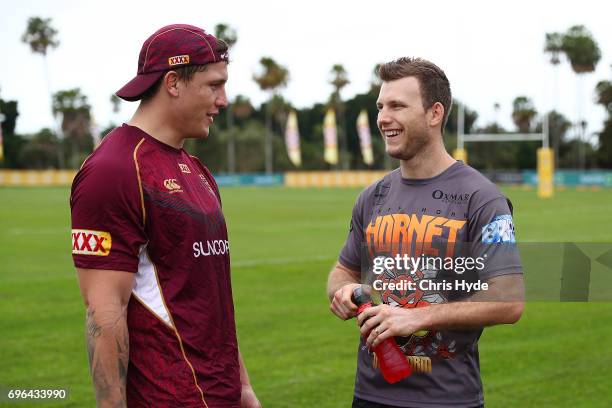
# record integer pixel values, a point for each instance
(386, 268)
(551, 271)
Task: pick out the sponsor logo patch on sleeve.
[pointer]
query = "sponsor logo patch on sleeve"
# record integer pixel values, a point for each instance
(88, 242)
(499, 231)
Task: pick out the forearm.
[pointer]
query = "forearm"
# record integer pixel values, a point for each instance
(248, 399)
(339, 277)
(244, 375)
(468, 315)
(501, 303)
(108, 350)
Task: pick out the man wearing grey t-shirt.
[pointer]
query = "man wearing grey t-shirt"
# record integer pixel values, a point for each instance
(432, 233)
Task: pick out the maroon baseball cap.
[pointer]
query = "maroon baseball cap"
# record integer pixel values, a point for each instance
(170, 47)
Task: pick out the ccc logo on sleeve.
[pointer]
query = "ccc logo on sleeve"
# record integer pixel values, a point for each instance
(87, 242)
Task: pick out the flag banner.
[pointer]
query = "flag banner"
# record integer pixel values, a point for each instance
(365, 137)
(1, 146)
(292, 139)
(2, 117)
(330, 137)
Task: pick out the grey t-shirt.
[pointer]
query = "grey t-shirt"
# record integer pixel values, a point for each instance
(458, 213)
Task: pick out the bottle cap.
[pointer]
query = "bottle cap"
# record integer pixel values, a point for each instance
(360, 297)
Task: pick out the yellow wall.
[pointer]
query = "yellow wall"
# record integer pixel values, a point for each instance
(332, 178)
(33, 178)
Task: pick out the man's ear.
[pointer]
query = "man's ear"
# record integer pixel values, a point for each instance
(436, 114)
(170, 83)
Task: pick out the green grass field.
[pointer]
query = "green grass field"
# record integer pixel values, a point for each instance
(298, 355)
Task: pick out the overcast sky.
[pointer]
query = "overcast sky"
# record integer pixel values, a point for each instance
(490, 50)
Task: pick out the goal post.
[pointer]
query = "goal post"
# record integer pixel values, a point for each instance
(545, 158)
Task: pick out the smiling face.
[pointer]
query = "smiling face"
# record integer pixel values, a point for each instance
(402, 120)
(200, 100)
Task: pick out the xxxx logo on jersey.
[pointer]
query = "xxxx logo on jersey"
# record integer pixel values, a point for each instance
(87, 242)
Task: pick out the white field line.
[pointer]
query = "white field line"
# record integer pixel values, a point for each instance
(280, 261)
(36, 231)
(234, 264)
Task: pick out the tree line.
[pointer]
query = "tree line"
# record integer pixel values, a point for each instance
(245, 138)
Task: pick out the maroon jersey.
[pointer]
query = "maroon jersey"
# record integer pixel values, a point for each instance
(141, 206)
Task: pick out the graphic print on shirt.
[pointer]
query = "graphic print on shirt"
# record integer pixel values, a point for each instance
(421, 238)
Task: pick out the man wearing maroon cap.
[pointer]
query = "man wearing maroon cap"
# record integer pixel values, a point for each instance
(150, 243)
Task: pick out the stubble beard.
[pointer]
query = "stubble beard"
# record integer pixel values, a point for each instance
(416, 143)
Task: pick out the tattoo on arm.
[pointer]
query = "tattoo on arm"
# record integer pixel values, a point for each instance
(108, 341)
(123, 361)
(93, 329)
(93, 332)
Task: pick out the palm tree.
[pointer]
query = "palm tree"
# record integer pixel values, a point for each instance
(523, 113)
(558, 125)
(41, 36)
(279, 109)
(495, 127)
(581, 49)
(554, 46)
(227, 34)
(99, 133)
(76, 122)
(271, 79)
(230, 37)
(375, 82)
(604, 95)
(116, 103)
(604, 98)
(340, 80)
(242, 107)
(583, 53)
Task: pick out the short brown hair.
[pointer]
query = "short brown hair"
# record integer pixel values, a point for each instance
(433, 83)
(185, 73)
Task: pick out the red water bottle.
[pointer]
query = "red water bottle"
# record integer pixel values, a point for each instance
(393, 364)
